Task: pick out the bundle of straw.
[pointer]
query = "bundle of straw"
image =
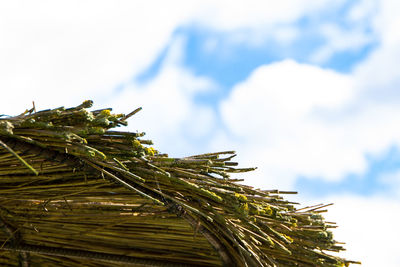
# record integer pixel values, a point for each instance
(73, 192)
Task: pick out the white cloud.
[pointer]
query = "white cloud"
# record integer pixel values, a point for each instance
(60, 52)
(169, 113)
(234, 15)
(294, 119)
(366, 22)
(369, 227)
(351, 32)
(340, 40)
(276, 113)
(256, 22)
(387, 21)
(378, 75)
(363, 10)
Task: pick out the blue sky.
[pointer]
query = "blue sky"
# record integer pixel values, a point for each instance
(228, 64)
(305, 90)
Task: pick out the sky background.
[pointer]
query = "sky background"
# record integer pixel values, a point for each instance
(307, 91)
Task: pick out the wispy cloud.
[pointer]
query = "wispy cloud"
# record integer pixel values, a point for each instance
(171, 116)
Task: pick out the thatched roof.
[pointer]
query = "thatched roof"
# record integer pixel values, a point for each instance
(73, 192)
